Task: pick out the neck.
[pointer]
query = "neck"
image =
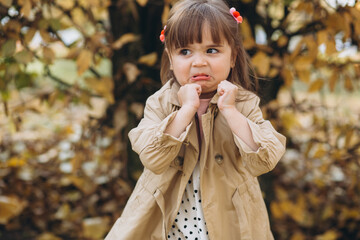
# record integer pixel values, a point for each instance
(207, 95)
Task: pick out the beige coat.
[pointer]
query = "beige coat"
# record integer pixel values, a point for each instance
(231, 197)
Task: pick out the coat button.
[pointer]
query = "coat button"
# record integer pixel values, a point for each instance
(219, 158)
(179, 161)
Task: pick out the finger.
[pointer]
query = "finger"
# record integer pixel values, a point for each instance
(198, 89)
(221, 90)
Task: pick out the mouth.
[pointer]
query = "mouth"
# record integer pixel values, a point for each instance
(200, 77)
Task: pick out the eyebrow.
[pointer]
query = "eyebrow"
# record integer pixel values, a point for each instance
(214, 45)
(207, 46)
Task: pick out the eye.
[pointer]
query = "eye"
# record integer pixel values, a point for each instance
(184, 52)
(212, 50)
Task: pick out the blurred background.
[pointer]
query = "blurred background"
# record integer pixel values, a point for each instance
(74, 77)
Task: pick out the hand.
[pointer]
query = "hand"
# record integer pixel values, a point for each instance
(189, 95)
(227, 92)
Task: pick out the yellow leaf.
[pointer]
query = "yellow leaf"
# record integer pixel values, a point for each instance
(357, 27)
(78, 16)
(297, 50)
(348, 84)
(304, 76)
(246, 31)
(282, 41)
(121, 116)
(277, 61)
(108, 94)
(16, 162)
(48, 55)
(148, 59)
(287, 75)
(29, 35)
(286, 206)
(312, 47)
(347, 22)
(142, 3)
(313, 198)
(63, 212)
(276, 210)
(23, 56)
(322, 37)
(6, 3)
(276, 10)
(73, 53)
(298, 212)
(349, 213)
(303, 63)
(84, 61)
(331, 47)
(289, 120)
(47, 236)
(26, 8)
(131, 71)
(298, 236)
(328, 212)
(65, 4)
(95, 228)
(86, 185)
(281, 193)
(349, 136)
(316, 85)
(333, 79)
(136, 174)
(273, 72)
(307, 7)
(104, 87)
(165, 13)
(45, 35)
(329, 235)
(137, 109)
(261, 61)
(10, 206)
(124, 39)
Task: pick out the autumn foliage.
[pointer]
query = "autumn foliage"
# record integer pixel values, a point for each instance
(74, 77)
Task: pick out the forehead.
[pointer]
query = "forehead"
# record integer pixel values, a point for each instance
(205, 36)
(193, 26)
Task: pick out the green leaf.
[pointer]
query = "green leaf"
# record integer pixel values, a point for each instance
(3, 84)
(5, 95)
(55, 24)
(23, 56)
(43, 24)
(9, 47)
(23, 80)
(11, 70)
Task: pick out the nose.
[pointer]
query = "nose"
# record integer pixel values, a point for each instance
(199, 60)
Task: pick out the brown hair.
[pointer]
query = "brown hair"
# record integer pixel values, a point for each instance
(184, 27)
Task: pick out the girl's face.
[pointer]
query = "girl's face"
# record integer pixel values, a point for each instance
(205, 63)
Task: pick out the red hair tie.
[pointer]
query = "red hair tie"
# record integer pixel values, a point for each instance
(162, 35)
(236, 15)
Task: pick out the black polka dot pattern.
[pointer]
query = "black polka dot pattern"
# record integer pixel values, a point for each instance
(189, 222)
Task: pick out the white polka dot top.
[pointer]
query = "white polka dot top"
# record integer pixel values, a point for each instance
(190, 222)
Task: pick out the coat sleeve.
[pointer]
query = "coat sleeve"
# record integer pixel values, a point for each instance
(156, 149)
(271, 143)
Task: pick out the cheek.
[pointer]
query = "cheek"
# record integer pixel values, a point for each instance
(179, 75)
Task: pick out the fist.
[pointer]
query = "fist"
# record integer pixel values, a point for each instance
(227, 92)
(189, 95)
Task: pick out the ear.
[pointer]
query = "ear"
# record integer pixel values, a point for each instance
(170, 62)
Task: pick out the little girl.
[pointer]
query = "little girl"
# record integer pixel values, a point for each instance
(203, 140)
